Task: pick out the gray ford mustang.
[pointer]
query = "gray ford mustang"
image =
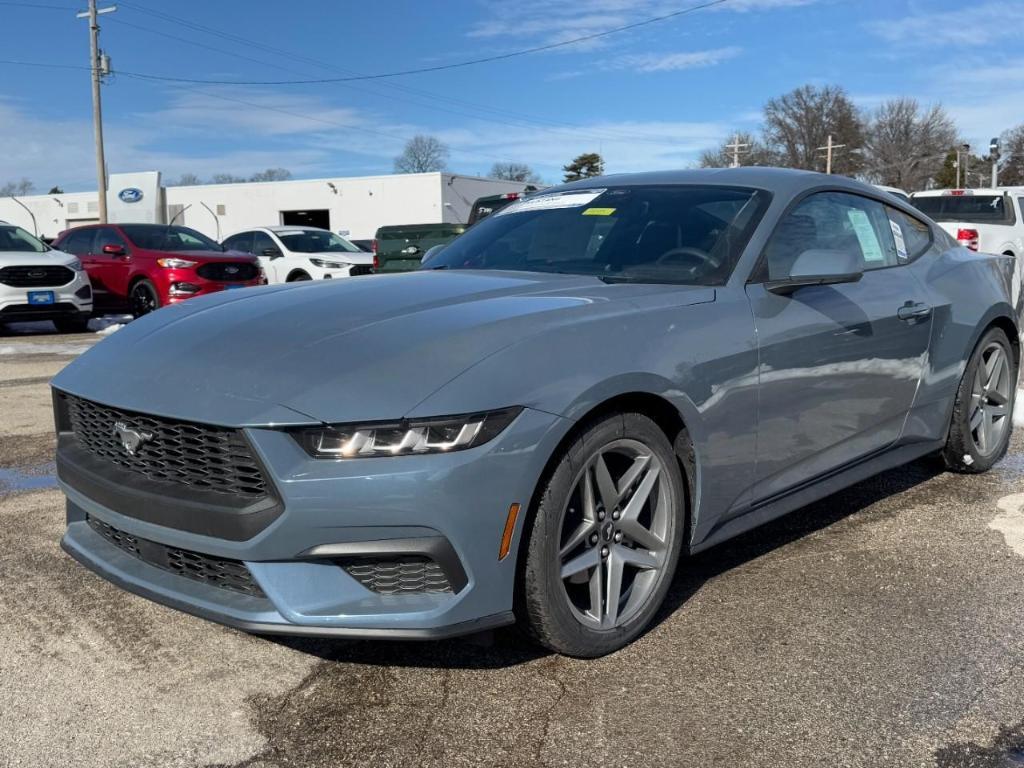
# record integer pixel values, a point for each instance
(581, 390)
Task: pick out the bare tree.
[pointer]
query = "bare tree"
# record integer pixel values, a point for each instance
(906, 145)
(754, 153)
(799, 122)
(272, 174)
(511, 171)
(226, 178)
(1011, 171)
(422, 154)
(17, 188)
(186, 180)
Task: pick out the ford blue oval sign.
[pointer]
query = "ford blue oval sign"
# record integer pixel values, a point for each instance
(130, 195)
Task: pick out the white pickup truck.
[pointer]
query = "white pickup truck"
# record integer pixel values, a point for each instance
(986, 220)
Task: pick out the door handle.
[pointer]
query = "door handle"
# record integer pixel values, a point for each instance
(913, 311)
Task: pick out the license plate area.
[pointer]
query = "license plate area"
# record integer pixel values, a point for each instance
(37, 298)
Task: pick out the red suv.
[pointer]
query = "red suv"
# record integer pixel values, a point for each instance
(141, 267)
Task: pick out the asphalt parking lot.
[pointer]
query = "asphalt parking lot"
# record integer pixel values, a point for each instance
(883, 626)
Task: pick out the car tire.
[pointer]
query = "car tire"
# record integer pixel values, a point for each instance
(143, 298)
(980, 427)
(637, 544)
(297, 277)
(71, 324)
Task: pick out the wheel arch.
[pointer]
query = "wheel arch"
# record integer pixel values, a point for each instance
(664, 413)
(294, 275)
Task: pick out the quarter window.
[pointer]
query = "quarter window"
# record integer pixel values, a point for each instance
(833, 221)
(913, 237)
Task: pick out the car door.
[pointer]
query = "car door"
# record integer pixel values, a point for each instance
(839, 364)
(270, 255)
(112, 260)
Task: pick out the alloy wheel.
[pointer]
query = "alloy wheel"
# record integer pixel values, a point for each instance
(143, 300)
(614, 534)
(990, 399)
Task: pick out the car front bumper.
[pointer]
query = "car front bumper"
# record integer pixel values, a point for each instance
(449, 507)
(73, 299)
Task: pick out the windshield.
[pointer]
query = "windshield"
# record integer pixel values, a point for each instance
(676, 234)
(157, 237)
(314, 241)
(17, 239)
(976, 209)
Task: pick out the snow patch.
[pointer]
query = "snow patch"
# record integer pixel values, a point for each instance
(44, 349)
(1011, 522)
(109, 323)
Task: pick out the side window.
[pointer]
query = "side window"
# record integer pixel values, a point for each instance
(261, 242)
(108, 236)
(79, 242)
(913, 237)
(240, 242)
(833, 221)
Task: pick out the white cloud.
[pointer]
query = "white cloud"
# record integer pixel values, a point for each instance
(670, 62)
(555, 21)
(967, 27)
(625, 145)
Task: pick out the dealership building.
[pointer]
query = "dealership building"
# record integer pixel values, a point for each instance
(353, 206)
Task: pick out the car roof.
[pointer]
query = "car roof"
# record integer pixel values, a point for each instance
(780, 180)
(292, 228)
(967, 190)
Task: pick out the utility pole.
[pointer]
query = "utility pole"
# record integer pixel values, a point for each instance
(829, 148)
(966, 150)
(736, 146)
(100, 65)
(993, 152)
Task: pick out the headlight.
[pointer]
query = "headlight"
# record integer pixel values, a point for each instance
(173, 263)
(323, 264)
(440, 435)
(75, 265)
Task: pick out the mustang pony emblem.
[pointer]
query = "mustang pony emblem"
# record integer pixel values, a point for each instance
(131, 439)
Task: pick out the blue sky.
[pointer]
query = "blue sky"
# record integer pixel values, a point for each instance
(648, 98)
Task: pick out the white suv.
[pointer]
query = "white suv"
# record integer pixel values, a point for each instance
(288, 254)
(40, 283)
(985, 220)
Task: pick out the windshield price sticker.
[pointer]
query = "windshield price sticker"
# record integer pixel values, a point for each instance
(599, 212)
(551, 202)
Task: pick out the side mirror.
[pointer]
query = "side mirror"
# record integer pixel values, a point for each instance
(114, 250)
(431, 253)
(272, 253)
(819, 266)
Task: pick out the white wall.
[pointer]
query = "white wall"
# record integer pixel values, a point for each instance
(357, 204)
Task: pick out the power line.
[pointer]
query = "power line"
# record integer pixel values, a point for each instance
(524, 119)
(440, 67)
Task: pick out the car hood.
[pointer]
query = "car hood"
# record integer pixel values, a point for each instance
(46, 259)
(336, 351)
(348, 257)
(204, 256)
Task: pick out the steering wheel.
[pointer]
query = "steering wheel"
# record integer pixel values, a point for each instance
(688, 258)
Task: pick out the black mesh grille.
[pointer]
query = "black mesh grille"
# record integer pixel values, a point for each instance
(399, 576)
(360, 269)
(228, 271)
(36, 277)
(203, 457)
(216, 571)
